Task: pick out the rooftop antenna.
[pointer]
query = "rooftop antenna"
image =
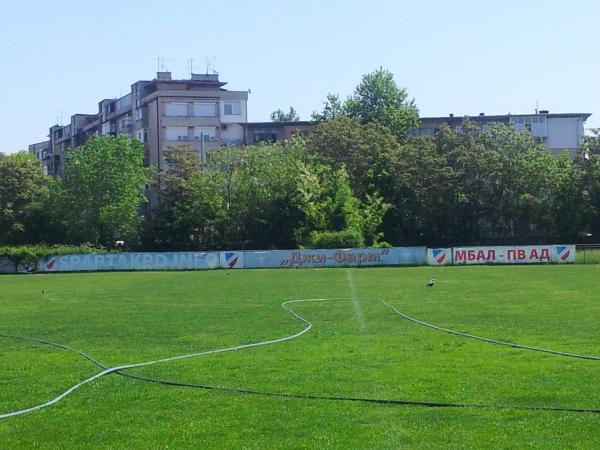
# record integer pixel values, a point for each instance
(211, 66)
(191, 62)
(160, 62)
(537, 106)
(157, 58)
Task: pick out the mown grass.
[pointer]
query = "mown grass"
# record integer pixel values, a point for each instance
(356, 348)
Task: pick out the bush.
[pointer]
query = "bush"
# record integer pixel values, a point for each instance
(30, 254)
(336, 239)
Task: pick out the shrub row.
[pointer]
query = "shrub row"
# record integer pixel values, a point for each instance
(29, 254)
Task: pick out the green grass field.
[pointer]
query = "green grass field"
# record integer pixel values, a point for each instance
(355, 348)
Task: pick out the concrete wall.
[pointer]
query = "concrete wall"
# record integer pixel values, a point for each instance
(564, 133)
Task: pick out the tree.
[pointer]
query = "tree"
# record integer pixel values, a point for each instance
(22, 187)
(105, 180)
(191, 208)
(588, 165)
(259, 183)
(332, 108)
(280, 116)
(378, 99)
(333, 215)
(417, 185)
(364, 150)
(243, 198)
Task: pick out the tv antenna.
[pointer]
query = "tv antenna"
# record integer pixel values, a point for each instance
(211, 66)
(160, 63)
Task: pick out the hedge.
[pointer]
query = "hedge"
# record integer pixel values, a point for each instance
(30, 254)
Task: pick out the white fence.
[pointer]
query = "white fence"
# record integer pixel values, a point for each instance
(396, 256)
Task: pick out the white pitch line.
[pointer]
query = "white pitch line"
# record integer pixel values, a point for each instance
(356, 306)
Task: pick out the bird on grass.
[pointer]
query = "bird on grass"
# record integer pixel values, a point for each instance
(431, 282)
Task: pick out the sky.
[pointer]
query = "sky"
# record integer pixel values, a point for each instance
(60, 57)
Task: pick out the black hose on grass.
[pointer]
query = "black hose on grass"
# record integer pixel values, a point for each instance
(353, 399)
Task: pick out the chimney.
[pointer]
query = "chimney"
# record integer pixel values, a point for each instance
(451, 115)
(481, 114)
(163, 75)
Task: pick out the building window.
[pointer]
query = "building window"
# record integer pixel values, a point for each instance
(209, 134)
(177, 134)
(265, 135)
(417, 132)
(176, 109)
(536, 125)
(125, 122)
(139, 134)
(205, 109)
(138, 115)
(233, 108)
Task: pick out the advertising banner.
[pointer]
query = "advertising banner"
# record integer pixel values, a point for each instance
(396, 256)
(439, 256)
(335, 257)
(131, 261)
(522, 254)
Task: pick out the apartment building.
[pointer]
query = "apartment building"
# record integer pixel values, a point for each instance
(559, 132)
(41, 150)
(161, 112)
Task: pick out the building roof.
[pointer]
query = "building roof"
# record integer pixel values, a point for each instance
(505, 117)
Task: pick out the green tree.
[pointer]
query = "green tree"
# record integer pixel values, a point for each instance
(379, 99)
(280, 116)
(364, 150)
(22, 187)
(332, 108)
(243, 198)
(104, 181)
(587, 163)
(51, 215)
(417, 185)
(259, 184)
(567, 204)
(333, 215)
(191, 207)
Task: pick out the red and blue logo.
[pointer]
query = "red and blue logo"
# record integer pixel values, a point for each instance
(231, 259)
(439, 255)
(50, 263)
(563, 253)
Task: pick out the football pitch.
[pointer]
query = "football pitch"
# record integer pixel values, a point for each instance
(343, 368)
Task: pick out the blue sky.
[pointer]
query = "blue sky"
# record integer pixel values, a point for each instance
(461, 57)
